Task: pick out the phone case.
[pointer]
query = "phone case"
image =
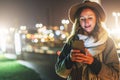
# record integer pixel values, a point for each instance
(79, 44)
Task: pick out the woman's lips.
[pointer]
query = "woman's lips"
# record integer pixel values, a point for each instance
(87, 26)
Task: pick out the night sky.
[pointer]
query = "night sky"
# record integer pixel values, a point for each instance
(49, 12)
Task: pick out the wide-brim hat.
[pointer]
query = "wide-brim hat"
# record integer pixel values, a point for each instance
(97, 7)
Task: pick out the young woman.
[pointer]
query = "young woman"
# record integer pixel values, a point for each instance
(100, 60)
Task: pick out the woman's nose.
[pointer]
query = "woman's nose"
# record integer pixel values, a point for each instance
(86, 21)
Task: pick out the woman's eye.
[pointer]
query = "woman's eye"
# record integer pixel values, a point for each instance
(82, 19)
(90, 18)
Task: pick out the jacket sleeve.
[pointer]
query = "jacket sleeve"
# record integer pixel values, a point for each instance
(64, 64)
(110, 65)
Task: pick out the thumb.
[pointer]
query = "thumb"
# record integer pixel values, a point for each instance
(87, 52)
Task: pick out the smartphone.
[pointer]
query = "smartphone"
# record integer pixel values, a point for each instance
(78, 44)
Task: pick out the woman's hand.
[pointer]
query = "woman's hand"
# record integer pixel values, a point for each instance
(77, 56)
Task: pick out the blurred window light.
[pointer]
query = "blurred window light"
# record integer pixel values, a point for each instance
(62, 28)
(42, 30)
(22, 27)
(119, 44)
(4, 31)
(46, 32)
(65, 21)
(17, 44)
(45, 48)
(42, 40)
(57, 32)
(28, 36)
(12, 29)
(23, 36)
(116, 15)
(50, 31)
(3, 38)
(36, 35)
(39, 25)
(51, 35)
(36, 40)
(3, 42)
(63, 36)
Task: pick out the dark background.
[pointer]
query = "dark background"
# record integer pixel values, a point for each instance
(14, 13)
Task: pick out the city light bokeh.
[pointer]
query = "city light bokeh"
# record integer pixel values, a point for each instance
(41, 37)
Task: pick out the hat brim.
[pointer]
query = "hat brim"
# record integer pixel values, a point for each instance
(93, 5)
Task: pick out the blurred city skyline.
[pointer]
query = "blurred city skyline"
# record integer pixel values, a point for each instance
(15, 13)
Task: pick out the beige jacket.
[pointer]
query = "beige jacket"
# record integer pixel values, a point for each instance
(109, 59)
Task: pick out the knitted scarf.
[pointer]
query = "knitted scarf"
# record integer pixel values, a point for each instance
(90, 42)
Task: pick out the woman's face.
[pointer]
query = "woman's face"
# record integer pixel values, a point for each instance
(88, 20)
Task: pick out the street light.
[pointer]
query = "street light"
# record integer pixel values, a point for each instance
(116, 15)
(38, 25)
(65, 23)
(115, 32)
